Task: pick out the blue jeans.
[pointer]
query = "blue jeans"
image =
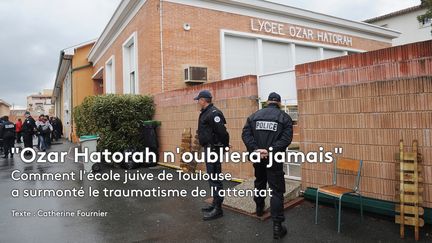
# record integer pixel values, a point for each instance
(42, 144)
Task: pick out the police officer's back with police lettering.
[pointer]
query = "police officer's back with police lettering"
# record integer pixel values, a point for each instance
(268, 127)
(211, 126)
(8, 130)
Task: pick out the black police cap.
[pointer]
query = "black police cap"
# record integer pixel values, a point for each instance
(273, 96)
(203, 94)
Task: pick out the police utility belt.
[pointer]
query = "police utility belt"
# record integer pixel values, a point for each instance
(214, 147)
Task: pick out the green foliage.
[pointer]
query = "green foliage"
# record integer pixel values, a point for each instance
(117, 119)
(428, 15)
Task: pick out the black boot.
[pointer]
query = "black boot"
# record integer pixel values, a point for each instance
(213, 214)
(279, 230)
(259, 210)
(207, 208)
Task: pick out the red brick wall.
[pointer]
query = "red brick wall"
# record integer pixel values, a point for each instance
(199, 46)
(146, 24)
(365, 103)
(177, 110)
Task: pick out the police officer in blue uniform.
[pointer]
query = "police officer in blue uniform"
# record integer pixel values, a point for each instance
(8, 134)
(269, 127)
(212, 135)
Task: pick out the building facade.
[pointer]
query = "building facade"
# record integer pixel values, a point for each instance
(73, 83)
(148, 47)
(4, 108)
(152, 47)
(17, 113)
(41, 103)
(405, 21)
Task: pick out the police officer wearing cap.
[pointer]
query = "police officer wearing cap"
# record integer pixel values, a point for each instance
(212, 135)
(268, 128)
(8, 134)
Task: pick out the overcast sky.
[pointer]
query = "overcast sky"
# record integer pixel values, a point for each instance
(33, 32)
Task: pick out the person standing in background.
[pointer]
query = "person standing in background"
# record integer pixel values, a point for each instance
(1, 135)
(44, 128)
(18, 130)
(48, 135)
(28, 130)
(8, 135)
(57, 128)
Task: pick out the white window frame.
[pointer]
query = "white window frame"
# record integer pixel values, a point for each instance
(260, 64)
(259, 38)
(133, 39)
(110, 80)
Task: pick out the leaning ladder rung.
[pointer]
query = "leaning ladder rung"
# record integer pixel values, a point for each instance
(410, 188)
(411, 199)
(410, 209)
(406, 166)
(409, 177)
(410, 221)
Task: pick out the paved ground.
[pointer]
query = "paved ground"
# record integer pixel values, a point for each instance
(168, 219)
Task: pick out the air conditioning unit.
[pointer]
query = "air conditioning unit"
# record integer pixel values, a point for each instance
(195, 75)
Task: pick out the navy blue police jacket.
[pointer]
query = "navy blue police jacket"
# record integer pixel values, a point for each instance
(268, 127)
(29, 126)
(211, 128)
(8, 130)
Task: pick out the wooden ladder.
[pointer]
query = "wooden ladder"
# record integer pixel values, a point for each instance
(188, 145)
(410, 190)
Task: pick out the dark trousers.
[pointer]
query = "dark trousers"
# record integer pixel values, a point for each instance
(28, 140)
(274, 176)
(47, 139)
(215, 185)
(18, 137)
(8, 143)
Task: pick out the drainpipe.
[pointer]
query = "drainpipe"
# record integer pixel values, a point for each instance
(161, 45)
(63, 58)
(71, 105)
(62, 53)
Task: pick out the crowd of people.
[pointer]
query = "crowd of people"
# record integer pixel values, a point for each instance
(46, 129)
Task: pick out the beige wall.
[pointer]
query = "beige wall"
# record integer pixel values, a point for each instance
(82, 71)
(82, 83)
(43, 99)
(4, 110)
(409, 26)
(15, 114)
